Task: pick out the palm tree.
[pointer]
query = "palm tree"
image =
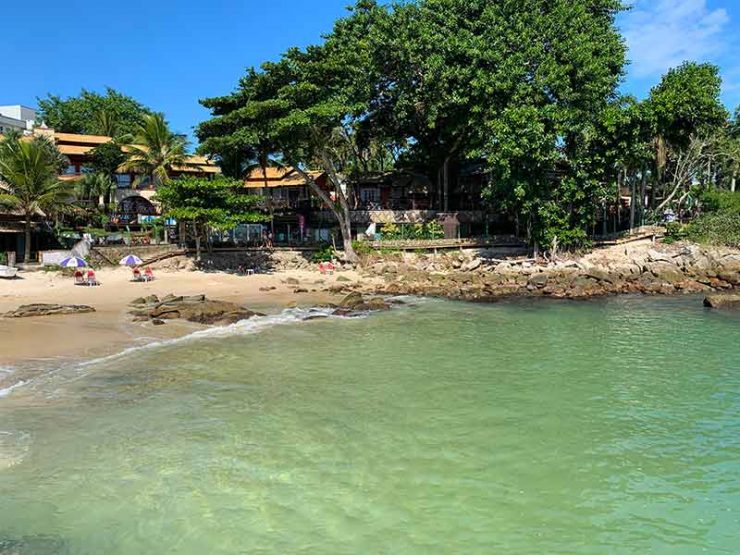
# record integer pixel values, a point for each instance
(95, 187)
(153, 150)
(29, 171)
(106, 122)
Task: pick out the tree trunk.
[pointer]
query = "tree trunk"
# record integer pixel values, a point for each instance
(196, 232)
(633, 203)
(643, 193)
(340, 209)
(733, 183)
(27, 246)
(446, 185)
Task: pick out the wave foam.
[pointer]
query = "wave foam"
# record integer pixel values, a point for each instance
(244, 327)
(5, 392)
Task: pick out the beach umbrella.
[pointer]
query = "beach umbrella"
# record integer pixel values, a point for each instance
(73, 262)
(130, 260)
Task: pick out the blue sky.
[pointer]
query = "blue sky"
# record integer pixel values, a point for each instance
(170, 53)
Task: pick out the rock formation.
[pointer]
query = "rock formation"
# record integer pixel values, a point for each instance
(196, 309)
(31, 310)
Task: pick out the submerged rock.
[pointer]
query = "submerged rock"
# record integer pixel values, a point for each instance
(34, 545)
(31, 310)
(723, 301)
(351, 301)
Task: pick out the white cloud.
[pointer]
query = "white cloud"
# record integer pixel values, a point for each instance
(663, 33)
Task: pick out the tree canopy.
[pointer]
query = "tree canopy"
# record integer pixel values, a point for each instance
(29, 174)
(153, 150)
(113, 113)
(528, 90)
(207, 203)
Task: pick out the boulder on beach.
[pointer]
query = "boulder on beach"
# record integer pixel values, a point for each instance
(31, 310)
(194, 308)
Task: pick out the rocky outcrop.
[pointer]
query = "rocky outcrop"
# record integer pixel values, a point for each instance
(723, 301)
(651, 269)
(356, 303)
(195, 308)
(32, 310)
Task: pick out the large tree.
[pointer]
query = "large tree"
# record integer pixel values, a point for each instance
(294, 111)
(113, 113)
(29, 181)
(550, 84)
(687, 102)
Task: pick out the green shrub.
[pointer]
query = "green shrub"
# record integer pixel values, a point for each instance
(391, 232)
(326, 254)
(675, 231)
(720, 228)
(721, 201)
(3, 258)
(434, 230)
(362, 247)
(417, 231)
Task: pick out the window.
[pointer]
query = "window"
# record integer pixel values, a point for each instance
(370, 195)
(86, 169)
(123, 180)
(70, 170)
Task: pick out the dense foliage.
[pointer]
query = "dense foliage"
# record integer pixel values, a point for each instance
(437, 82)
(113, 114)
(207, 203)
(153, 150)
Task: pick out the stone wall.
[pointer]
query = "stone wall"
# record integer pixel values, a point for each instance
(260, 261)
(112, 254)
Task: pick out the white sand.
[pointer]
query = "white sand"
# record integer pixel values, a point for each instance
(110, 329)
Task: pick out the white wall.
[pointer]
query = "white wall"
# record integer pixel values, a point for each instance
(24, 117)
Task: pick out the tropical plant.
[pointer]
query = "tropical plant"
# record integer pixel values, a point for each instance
(29, 172)
(153, 150)
(95, 188)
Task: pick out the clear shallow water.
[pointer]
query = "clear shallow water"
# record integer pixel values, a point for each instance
(598, 427)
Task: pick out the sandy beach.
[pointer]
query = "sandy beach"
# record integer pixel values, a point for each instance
(110, 329)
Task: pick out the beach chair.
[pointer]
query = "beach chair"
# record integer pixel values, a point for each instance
(148, 274)
(92, 278)
(80, 278)
(137, 275)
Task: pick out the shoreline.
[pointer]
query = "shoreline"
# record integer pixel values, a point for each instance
(29, 346)
(638, 268)
(641, 268)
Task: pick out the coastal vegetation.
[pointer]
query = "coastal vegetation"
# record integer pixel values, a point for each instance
(528, 90)
(525, 97)
(201, 205)
(29, 180)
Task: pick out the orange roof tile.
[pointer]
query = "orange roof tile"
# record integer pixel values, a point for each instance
(81, 139)
(259, 178)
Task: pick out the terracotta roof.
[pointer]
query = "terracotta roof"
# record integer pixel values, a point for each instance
(81, 139)
(198, 164)
(74, 149)
(80, 145)
(277, 177)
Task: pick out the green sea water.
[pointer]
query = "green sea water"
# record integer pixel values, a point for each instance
(610, 426)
